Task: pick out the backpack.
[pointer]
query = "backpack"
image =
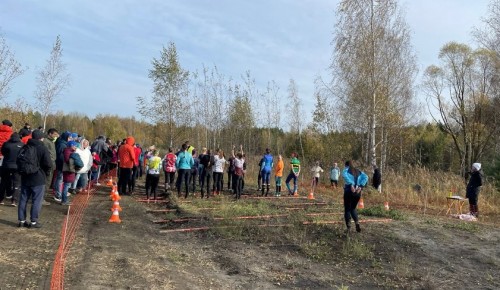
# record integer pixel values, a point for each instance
(77, 161)
(27, 160)
(169, 163)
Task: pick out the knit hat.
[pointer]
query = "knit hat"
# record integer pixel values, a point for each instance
(37, 134)
(74, 135)
(7, 123)
(72, 144)
(476, 166)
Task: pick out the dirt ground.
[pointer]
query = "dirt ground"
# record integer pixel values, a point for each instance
(420, 252)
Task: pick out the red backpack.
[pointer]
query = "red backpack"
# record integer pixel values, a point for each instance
(169, 164)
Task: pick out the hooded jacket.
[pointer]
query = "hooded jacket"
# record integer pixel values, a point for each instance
(126, 153)
(5, 133)
(61, 144)
(10, 149)
(38, 178)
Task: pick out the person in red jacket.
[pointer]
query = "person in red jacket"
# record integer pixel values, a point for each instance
(126, 162)
(5, 133)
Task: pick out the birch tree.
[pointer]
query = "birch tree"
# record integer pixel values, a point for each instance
(373, 66)
(295, 114)
(463, 90)
(170, 87)
(52, 80)
(9, 68)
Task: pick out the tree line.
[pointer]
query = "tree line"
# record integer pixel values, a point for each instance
(366, 111)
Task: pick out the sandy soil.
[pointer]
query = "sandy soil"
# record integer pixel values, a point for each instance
(421, 252)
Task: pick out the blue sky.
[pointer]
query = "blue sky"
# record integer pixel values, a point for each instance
(108, 45)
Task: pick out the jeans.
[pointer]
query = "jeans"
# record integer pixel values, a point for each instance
(64, 195)
(288, 179)
(266, 176)
(58, 183)
(36, 195)
(81, 180)
(218, 181)
(238, 185)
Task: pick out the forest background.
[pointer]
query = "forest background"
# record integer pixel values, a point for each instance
(366, 111)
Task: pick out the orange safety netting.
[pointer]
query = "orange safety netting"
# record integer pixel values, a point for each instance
(69, 228)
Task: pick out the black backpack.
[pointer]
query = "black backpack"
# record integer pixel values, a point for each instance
(27, 160)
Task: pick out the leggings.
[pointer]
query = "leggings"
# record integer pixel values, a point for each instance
(151, 184)
(183, 175)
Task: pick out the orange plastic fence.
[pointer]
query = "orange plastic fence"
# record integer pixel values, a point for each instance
(69, 228)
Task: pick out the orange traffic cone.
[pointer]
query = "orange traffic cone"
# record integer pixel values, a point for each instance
(116, 196)
(386, 205)
(311, 195)
(116, 205)
(110, 181)
(113, 190)
(115, 217)
(361, 204)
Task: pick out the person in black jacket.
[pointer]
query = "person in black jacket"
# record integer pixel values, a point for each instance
(10, 178)
(377, 178)
(33, 185)
(473, 188)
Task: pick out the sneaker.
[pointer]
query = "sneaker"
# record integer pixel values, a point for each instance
(57, 199)
(98, 184)
(35, 225)
(2, 203)
(22, 224)
(358, 228)
(14, 204)
(347, 231)
(44, 202)
(8, 197)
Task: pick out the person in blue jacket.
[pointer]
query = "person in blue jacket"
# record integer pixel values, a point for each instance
(183, 163)
(265, 171)
(354, 182)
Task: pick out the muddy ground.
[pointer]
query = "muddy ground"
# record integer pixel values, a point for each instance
(419, 252)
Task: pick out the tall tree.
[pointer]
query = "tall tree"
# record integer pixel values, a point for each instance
(51, 81)
(373, 66)
(463, 89)
(170, 87)
(9, 68)
(295, 113)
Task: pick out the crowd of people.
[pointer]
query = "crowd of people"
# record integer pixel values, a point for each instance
(63, 164)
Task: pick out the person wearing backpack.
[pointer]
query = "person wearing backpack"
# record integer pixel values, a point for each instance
(169, 168)
(34, 165)
(72, 163)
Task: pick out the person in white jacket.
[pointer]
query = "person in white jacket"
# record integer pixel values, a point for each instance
(81, 178)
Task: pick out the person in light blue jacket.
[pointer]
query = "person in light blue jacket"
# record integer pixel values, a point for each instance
(183, 163)
(354, 182)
